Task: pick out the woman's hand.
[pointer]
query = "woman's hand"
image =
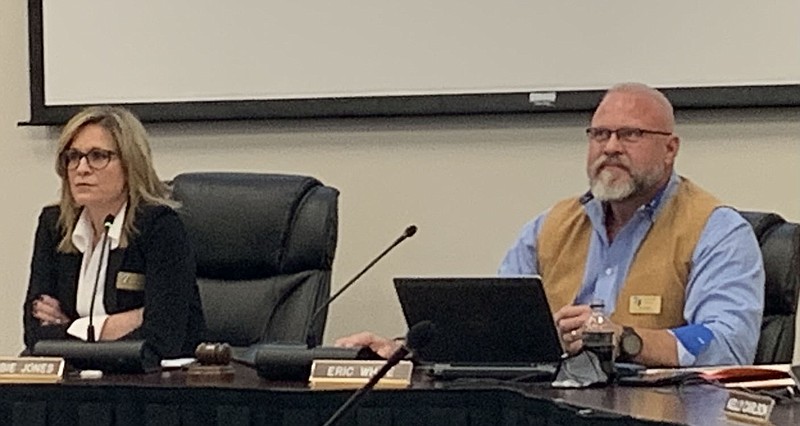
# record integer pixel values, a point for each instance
(119, 325)
(48, 311)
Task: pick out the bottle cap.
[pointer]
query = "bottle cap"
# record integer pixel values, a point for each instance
(597, 303)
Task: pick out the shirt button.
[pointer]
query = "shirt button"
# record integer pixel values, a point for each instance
(609, 271)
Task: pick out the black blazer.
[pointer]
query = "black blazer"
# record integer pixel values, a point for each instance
(159, 256)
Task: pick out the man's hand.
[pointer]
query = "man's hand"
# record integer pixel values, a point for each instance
(569, 323)
(380, 345)
(659, 347)
(48, 311)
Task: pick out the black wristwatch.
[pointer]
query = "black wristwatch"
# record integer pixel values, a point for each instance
(630, 344)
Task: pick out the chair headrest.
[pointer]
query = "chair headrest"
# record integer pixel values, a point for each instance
(243, 225)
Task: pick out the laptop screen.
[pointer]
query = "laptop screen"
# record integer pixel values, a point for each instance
(487, 320)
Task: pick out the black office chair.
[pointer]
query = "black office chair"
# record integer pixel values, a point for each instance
(780, 248)
(265, 245)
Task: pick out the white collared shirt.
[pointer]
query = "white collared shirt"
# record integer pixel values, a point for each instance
(82, 238)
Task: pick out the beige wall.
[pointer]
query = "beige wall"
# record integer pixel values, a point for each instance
(469, 183)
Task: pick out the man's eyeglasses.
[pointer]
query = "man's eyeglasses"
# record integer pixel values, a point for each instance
(96, 158)
(626, 134)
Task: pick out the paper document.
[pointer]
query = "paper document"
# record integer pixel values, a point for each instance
(742, 376)
(176, 362)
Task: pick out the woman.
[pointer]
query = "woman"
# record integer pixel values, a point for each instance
(112, 197)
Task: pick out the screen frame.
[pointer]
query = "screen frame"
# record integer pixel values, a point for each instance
(779, 95)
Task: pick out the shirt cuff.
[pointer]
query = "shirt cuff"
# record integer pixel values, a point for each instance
(685, 359)
(692, 341)
(79, 327)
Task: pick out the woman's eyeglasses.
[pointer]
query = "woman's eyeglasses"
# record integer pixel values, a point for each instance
(96, 158)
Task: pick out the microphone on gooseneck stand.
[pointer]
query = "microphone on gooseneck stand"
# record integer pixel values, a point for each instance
(278, 361)
(419, 336)
(107, 222)
(311, 341)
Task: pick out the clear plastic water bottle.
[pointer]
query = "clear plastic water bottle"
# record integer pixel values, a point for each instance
(598, 337)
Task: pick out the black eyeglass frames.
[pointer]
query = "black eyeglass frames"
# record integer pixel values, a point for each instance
(96, 158)
(627, 134)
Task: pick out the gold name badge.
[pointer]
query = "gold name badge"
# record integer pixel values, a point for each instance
(327, 374)
(750, 408)
(130, 281)
(645, 304)
(31, 370)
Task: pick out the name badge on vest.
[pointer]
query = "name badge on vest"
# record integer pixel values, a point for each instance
(645, 304)
(130, 281)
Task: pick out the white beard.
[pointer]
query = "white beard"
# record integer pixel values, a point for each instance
(604, 188)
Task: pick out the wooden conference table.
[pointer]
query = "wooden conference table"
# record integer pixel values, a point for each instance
(167, 399)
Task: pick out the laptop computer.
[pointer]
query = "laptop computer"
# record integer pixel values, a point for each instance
(499, 327)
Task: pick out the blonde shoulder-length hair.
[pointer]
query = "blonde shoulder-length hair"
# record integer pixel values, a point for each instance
(133, 151)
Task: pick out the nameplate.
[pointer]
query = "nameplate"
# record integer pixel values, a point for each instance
(130, 281)
(31, 369)
(749, 408)
(354, 374)
(645, 304)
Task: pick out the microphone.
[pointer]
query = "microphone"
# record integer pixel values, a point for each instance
(277, 361)
(310, 339)
(118, 356)
(107, 222)
(419, 336)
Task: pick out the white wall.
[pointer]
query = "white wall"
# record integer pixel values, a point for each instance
(469, 183)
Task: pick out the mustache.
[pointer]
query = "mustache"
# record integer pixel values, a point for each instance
(606, 161)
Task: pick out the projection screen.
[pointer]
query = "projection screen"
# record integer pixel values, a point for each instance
(255, 59)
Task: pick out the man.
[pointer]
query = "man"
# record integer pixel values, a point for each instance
(680, 274)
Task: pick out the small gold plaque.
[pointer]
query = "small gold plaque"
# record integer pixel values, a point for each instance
(354, 374)
(749, 407)
(31, 369)
(645, 304)
(130, 281)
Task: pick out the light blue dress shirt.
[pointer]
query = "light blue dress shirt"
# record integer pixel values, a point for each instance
(724, 295)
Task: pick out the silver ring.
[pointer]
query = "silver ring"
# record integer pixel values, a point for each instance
(574, 333)
(58, 320)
